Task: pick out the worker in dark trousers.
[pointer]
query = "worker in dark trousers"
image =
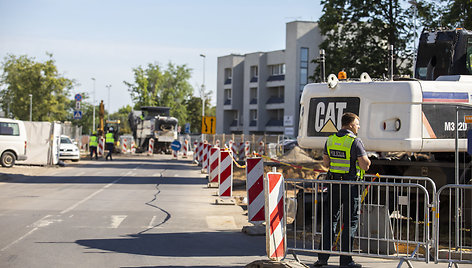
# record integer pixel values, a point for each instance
(347, 160)
(109, 143)
(93, 143)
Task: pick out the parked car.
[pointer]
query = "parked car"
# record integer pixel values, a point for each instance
(68, 150)
(13, 141)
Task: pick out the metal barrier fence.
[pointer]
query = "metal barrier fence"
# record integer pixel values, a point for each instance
(393, 219)
(454, 222)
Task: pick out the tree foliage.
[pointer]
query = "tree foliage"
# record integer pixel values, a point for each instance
(155, 86)
(359, 32)
(23, 76)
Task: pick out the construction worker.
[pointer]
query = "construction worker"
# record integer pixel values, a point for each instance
(93, 143)
(109, 143)
(347, 160)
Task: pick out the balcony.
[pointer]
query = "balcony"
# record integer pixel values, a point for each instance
(234, 123)
(253, 80)
(279, 77)
(253, 123)
(275, 100)
(227, 102)
(253, 101)
(275, 123)
(228, 81)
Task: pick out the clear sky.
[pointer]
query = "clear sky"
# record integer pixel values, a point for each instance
(106, 39)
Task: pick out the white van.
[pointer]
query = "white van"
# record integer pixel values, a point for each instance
(12, 141)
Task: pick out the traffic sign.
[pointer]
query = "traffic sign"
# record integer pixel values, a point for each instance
(208, 124)
(78, 97)
(187, 128)
(77, 114)
(175, 145)
(77, 105)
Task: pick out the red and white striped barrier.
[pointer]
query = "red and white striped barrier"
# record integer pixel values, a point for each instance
(247, 148)
(185, 149)
(124, 146)
(274, 216)
(101, 146)
(206, 148)
(261, 148)
(151, 146)
(200, 153)
(133, 147)
(255, 189)
(195, 151)
(241, 151)
(225, 188)
(234, 148)
(174, 154)
(230, 144)
(214, 164)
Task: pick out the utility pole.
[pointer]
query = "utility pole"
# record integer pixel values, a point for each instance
(93, 103)
(202, 93)
(109, 103)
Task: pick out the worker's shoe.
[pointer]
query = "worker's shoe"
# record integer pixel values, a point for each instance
(320, 263)
(352, 264)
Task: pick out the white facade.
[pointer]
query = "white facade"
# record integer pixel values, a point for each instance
(260, 92)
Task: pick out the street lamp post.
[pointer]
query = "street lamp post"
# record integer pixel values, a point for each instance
(31, 107)
(109, 103)
(202, 93)
(93, 103)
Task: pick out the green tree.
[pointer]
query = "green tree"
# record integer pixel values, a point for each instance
(358, 34)
(449, 14)
(22, 76)
(122, 115)
(154, 86)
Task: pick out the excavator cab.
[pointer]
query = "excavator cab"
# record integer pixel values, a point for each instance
(444, 53)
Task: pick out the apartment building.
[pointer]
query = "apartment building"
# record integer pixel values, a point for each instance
(259, 93)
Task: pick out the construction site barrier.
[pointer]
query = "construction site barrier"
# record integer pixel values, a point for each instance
(225, 188)
(453, 219)
(101, 146)
(200, 153)
(185, 149)
(124, 146)
(275, 216)
(206, 148)
(151, 146)
(255, 189)
(394, 220)
(214, 165)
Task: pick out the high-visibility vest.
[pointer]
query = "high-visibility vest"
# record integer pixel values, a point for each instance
(93, 141)
(339, 152)
(109, 138)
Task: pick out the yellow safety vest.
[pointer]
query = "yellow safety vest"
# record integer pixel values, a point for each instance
(339, 152)
(93, 141)
(109, 138)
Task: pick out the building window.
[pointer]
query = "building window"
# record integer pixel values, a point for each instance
(277, 69)
(254, 71)
(228, 75)
(303, 67)
(227, 96)
(253, 95)
(253, 118)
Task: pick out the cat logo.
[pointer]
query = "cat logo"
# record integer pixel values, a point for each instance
(326, 113)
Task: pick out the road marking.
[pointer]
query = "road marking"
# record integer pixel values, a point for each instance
(37, 224)
(95, 193)
(116, 220)
(221, 222)
(151, 224)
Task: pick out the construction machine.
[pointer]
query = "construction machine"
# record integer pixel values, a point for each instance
(153, 122)
(410, 126)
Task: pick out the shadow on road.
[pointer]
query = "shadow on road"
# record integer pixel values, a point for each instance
(202, 244)
(102, 180)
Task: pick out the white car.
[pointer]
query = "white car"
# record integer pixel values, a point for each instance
(13, 141)
(68, 150)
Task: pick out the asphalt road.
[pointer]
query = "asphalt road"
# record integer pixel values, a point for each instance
(130, 212)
